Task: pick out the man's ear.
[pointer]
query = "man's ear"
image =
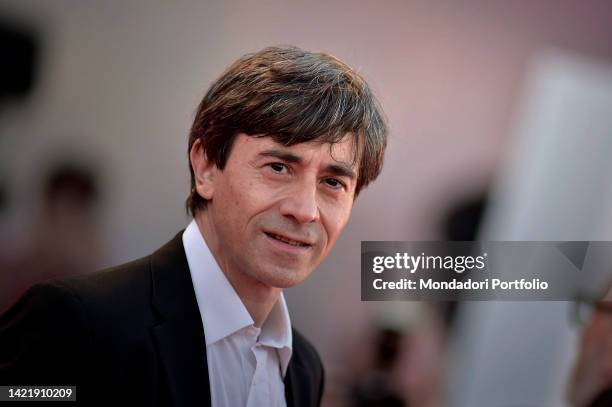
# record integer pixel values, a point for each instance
(204, 170)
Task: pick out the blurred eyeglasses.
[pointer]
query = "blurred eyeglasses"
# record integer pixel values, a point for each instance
(584, 309)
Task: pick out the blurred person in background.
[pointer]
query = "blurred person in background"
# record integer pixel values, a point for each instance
(65, 237)
(375, 386)
(281, 145)
(403, 362)
(400, 360)
(590, 384)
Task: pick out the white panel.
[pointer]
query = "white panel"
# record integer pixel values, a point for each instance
(555, 186)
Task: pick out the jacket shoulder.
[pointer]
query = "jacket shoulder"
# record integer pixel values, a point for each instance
(81, 302)
(116, 300)
(40, 336)
(124, 280)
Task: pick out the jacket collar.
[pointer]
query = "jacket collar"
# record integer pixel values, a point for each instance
(179, 335)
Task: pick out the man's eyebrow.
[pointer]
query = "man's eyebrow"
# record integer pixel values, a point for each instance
(341, 170)
(282, 155)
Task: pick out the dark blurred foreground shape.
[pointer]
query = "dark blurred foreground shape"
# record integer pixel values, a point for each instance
(19, 49)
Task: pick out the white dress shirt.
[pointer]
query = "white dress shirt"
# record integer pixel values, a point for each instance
(246, 364)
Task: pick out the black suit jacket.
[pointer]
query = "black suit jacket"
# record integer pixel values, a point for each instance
(132, 333)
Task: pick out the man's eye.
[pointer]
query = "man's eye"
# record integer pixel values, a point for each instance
(278, 167)
(334, 183)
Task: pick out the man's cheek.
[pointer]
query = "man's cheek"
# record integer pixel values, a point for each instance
(340, 225)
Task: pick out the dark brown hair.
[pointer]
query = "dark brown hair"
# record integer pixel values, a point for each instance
(293, 96)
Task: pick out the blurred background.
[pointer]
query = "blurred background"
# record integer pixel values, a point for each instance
(501, 128)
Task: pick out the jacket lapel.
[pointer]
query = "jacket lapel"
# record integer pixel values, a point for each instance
(297, 383)
(179, 335)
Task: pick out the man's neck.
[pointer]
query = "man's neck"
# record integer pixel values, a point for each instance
(258, 298)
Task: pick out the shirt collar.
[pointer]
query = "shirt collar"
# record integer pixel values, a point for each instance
(276, 332)
(221, 309)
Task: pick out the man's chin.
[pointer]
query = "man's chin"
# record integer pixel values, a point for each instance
(283, 278)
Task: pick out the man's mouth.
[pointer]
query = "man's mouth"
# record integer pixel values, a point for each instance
(284, 239)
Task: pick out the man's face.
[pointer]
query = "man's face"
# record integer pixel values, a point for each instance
(276, 211)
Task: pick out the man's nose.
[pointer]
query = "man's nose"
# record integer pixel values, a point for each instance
(301, 203)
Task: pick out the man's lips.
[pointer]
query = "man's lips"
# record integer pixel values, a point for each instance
(290, 240)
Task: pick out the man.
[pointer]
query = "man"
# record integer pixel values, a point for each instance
(280, 147)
